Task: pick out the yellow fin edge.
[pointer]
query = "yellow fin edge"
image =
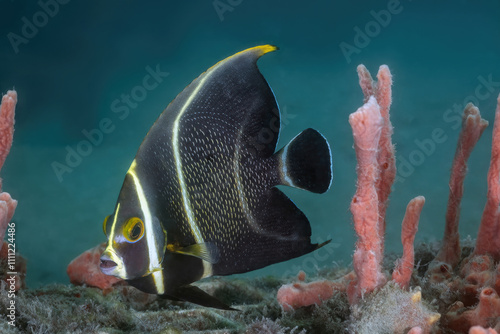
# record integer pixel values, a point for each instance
(260, 50)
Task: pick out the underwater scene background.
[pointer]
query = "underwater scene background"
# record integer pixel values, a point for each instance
(81, 65)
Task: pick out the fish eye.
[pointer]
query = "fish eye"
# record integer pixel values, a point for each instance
(134, 229)
(104, 224)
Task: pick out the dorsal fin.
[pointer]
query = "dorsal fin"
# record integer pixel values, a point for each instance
(233, 95)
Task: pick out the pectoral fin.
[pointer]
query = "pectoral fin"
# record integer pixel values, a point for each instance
(206, 251)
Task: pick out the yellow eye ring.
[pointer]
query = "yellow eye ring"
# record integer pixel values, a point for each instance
(104, 224)
(133, 229)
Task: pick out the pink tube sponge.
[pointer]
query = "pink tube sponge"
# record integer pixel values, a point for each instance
(404, 267)
(7, 112)
(487, 241)
(293, 296)
(366, 123)
(473, 127)
(299, 294)
(484, 314)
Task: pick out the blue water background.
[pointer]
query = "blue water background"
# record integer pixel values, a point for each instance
(89, 53)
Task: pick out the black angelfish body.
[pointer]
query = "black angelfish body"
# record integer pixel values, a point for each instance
(200, 199)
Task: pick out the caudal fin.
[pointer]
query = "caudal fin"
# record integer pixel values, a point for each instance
(306, 162)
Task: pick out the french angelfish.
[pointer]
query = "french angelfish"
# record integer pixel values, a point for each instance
(199, 199)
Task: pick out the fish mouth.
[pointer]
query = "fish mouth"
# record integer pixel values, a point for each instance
(107, 263)
(110, 264)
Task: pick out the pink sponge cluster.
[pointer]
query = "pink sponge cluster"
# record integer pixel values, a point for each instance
(7, 112)
(376, 171)
(474, 281)
(7, 204)
(476, 278)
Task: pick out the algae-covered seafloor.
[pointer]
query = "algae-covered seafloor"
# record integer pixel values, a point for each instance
(69, 309)
(123, 309)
